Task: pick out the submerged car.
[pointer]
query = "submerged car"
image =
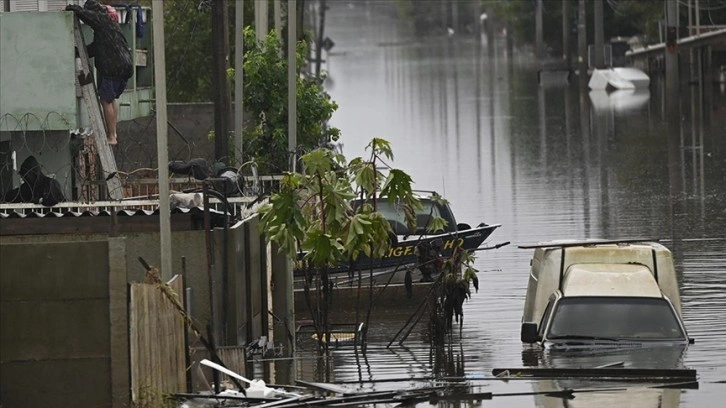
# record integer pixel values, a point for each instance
(614, 293)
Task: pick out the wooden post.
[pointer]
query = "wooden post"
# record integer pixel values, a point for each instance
(581, 39)
(538, 43)
(599, 60)
(162, 148)
(671, 62)
(566, 53)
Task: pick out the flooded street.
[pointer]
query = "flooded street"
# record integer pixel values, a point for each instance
(547, 162)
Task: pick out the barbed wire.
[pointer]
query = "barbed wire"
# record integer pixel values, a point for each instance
(42, 164)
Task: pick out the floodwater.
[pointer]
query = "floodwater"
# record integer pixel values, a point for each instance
(547, 162)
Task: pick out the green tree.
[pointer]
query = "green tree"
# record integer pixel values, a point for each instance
(265, 100)
(311, 219)
(187, 33)
(188, 42)
(312, 215)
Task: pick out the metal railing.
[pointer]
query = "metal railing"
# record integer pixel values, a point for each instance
(142, 194)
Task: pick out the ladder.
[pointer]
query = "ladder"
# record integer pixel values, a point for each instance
(98, 124)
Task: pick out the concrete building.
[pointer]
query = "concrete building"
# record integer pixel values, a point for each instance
(41, 110)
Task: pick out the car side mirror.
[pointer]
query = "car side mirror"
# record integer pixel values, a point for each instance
(463, 227)
(529, 333)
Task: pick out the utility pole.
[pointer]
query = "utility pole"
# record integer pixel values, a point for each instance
(292, 82)
(489, 28)
(698, 18)
(671, 58)
(220, 83)
(239, 26)
(581, 39)
(599, 60)
(300, 16)
(321, 36)
(277, 12)
(162, 148)
(538, 43)
(261, 15)
(444, 16)
(566, 34)
(478, 23)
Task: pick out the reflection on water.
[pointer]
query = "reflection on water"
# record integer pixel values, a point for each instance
(619, 396)
(547, 162)
(648, 356)
(621, 101)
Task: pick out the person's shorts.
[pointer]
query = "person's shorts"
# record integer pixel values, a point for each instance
(110, 89)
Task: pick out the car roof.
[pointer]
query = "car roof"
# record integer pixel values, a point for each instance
(622, 280)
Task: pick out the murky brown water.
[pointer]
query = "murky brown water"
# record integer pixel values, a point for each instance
(547, 163)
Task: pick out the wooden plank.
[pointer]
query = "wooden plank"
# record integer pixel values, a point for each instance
(119, 322)
(133, 339)
(336, 389)
(88, 89)
(158, 359)
(257, 285)
(619, 373)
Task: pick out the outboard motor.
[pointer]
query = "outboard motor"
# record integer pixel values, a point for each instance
(429, 258)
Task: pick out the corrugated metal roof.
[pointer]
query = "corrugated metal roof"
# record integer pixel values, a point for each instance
(15, 214)
(105, 208)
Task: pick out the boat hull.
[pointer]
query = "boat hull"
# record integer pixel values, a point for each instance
(403, 252)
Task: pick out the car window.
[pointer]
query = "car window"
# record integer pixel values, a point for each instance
(545, 317)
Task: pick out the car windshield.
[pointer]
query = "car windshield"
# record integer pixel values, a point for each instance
(615, 318)
(393, 212)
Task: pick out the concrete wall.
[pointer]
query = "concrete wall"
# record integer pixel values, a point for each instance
(54, 324)
(137, 138)
(37, 71)
(64, 308)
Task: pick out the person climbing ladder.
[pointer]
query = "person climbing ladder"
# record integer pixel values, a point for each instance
(112, 58)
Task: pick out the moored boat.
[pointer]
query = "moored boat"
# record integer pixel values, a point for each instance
(407, 245)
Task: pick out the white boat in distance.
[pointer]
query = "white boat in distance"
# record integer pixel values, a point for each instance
(618, 78)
